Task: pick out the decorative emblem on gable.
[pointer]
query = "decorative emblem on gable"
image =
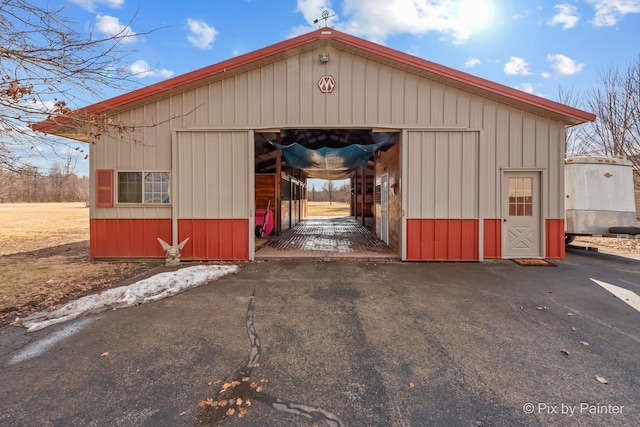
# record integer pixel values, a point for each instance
(326, 84)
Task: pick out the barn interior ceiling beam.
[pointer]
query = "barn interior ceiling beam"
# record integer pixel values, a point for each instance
(314, 139)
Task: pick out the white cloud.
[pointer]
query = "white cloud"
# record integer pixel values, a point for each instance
(529, 88)
(564, 65)
(140, 69)
(522, 15)
(517, 67)
(312, 10)
(112, 27)
(526, 87)
(567, 16)
(202, 35)
(91, 5)
(471, 62)
(609, 12)
(545, 75)
(378, 19)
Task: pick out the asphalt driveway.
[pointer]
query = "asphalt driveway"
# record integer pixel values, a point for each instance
(344, 343)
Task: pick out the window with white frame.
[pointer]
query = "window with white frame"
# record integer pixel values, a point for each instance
(143, 187)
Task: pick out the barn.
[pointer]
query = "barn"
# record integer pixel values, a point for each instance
(452, 166)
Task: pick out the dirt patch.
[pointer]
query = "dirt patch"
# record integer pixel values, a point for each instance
(46, 278)
(44, 259)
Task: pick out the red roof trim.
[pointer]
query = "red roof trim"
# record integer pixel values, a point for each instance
(331, 34)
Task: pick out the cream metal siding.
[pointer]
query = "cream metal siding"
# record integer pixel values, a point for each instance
(441, 174)
(214, 174)
(370, 92)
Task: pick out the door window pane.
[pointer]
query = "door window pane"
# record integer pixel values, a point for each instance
(520, 196)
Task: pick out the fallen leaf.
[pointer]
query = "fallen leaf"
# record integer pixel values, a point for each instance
(564, 351)
(201, 404)
(226, 386)
(223, 403)
(584, 343)
(113, 309)
(210, 383)
(239, 402)
(256, 365)
(258, 389)
(235, 383)
(242, 412)
(105, 354)
(253, 385)
(245, 379)
(262, 380)
(183, 413)
(412, 385)
(231, 411)
(573, 328)
(602, 380)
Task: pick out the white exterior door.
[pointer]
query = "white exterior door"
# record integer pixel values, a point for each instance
(521, 215)
(384, 208)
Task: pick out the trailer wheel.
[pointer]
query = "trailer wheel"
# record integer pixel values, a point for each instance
(568, 239)
(631, 230)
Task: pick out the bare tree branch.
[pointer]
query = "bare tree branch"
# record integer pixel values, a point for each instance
(48, 68)
(615, 101)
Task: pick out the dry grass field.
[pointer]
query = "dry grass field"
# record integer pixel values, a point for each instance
(44, 258)
(325, 209)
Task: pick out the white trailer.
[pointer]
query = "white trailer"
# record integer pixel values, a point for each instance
(599, 197)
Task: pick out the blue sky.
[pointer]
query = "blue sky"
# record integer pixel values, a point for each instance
(533, 45)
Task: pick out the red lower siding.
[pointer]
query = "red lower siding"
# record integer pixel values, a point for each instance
(554, 238)
(442, 239)
(214, 239)
(493, 238)
(128, 238)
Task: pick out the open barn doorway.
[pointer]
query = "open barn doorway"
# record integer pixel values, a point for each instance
(319, 186)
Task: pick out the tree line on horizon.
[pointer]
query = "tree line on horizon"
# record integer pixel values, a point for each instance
(31, 185)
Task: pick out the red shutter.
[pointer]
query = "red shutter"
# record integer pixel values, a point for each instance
(104, 193)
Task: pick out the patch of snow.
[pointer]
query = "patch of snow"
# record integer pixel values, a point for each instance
(160, 286)
(41, 346)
